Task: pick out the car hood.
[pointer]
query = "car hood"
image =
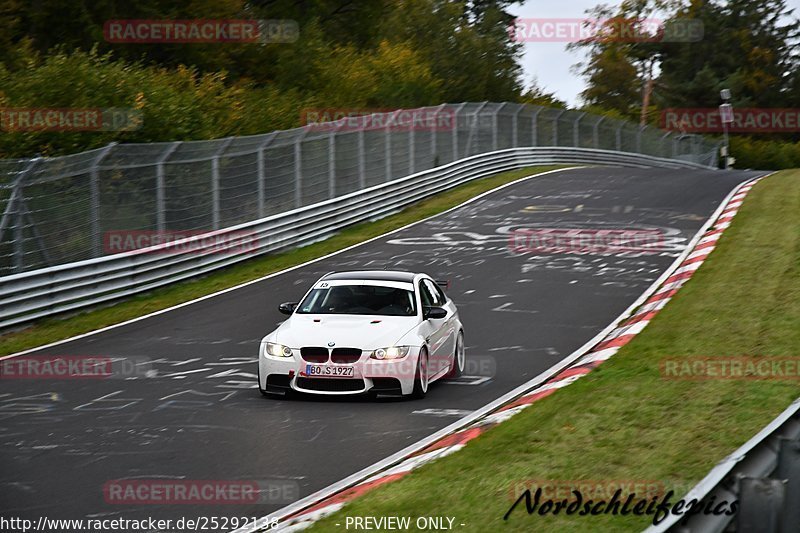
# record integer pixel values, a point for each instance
(367, 332)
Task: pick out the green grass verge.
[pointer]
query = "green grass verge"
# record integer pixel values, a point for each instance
(624, 421)
(58, 328)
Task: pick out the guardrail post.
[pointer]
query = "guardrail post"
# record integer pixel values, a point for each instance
(760, 504)
(619, 136)
(94, 193)
(161, 210)
(215, 196)
(788, 468)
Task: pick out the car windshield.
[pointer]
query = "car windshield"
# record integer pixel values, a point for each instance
(359, 300)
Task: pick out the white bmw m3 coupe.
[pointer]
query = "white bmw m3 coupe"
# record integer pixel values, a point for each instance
(375, 332)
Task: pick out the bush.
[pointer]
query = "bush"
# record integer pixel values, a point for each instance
(178, 104)
(764, 154)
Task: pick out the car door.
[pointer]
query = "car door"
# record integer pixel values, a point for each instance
(438, 328)
(451, 319)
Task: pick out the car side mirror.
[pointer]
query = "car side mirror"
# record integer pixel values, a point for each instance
(433, 312)
(287, 308)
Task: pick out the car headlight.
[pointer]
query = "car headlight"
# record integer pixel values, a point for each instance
(392, 352)
(278, 350)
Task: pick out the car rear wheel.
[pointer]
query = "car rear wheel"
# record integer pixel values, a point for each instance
(421, 376)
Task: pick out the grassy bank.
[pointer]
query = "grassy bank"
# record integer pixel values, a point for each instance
(55, 329)
(625, 423)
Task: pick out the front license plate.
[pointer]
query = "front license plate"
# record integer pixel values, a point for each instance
(329, 371)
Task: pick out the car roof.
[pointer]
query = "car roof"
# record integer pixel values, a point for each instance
(381, 275)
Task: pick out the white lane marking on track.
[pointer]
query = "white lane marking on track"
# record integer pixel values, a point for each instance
(467, 380)
(442, 412)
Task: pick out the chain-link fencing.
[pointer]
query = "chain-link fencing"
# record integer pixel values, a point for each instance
(116, 198)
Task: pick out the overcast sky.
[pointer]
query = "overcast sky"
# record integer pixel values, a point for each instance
(549, 62)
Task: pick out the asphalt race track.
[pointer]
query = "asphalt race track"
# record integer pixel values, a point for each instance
(197, 415)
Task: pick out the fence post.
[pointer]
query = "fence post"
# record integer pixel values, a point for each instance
(515, 126)
(411, 148)
(215, 197)
(596, 132)
(555, 126)
(332, 163)
(332, 158)
(362, 166)
(94, 192)
(261, 175)
(456, 115)
(434, 134)
(11, 210)
(473, 128)
(639, 139)
(496, 125)
(576, 131)
(298, 172)
(161, 216)
(387, 136)
(535, 127)
(664, 144)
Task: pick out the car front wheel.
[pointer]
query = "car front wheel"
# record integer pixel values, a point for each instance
(421, 376)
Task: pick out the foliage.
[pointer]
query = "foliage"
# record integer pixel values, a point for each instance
(376, 54)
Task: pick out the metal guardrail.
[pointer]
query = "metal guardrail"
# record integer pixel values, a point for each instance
(31, 295)
(57, 210)
(763, 476)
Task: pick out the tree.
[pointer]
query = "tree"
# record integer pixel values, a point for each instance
(749, 50)
(622, 56)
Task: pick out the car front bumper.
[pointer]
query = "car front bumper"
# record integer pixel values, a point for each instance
(369, 375)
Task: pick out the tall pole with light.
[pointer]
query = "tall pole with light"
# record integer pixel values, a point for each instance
(726, 116)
